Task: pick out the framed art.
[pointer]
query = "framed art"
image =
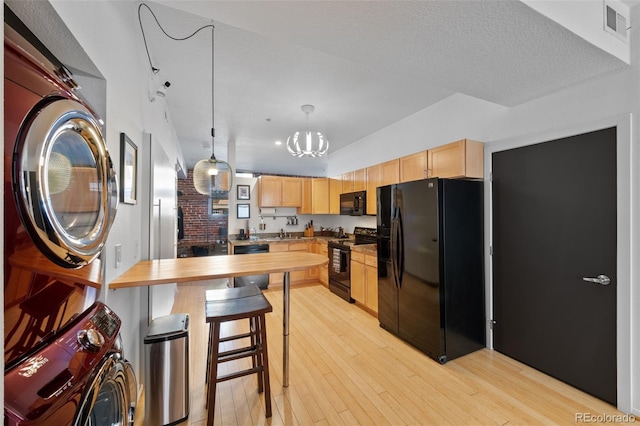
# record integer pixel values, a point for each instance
(243, 211)
(243, 192)
(128, 170)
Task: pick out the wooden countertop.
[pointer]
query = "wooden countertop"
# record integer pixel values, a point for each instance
(275, 240)
(165, 271)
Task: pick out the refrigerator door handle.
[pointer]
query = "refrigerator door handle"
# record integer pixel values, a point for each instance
(394, 256)
(400, 249)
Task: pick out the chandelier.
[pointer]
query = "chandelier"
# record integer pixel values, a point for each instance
(211, 176)
(306, 142)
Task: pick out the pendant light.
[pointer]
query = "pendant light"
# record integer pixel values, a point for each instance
(211, 176)
(312, 144)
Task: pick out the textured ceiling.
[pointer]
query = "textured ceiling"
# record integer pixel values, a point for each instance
(363, 64)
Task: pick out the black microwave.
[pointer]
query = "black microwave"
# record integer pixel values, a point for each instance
(353, 203)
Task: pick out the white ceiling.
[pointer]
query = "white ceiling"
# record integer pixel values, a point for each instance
(363, 64)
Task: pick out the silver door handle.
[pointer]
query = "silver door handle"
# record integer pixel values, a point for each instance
(600, 279)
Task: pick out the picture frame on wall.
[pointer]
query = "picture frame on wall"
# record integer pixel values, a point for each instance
(243, 211)
(128, 170)
(243, 192)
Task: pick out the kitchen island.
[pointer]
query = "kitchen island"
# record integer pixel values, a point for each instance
(181, 270)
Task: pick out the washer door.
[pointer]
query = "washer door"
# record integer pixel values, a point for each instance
(65, 186)
(111, 399)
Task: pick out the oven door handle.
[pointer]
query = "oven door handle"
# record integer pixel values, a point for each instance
(344, 260)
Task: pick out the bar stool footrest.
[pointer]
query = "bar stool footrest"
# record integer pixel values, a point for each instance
(237, 354)
(240, 373)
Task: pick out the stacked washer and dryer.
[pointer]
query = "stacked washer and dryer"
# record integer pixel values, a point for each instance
(64, 362)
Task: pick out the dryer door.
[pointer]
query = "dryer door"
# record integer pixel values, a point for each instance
(111, 399)
(65, 186)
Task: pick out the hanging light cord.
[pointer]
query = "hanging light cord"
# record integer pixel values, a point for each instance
(156, 70)
(213, 129)
(144, 38)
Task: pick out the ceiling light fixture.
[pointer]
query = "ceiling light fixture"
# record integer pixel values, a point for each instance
(211, 176)
(306, 142)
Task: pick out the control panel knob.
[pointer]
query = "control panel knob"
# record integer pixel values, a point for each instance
(90, 340)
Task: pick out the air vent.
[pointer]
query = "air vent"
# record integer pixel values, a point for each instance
(616, 19)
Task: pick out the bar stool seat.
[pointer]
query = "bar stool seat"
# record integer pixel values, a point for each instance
(237, 305)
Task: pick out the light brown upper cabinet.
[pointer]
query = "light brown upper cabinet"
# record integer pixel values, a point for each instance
(320, 195)
(307, 197)
(347, 182)
(414, 167)
(390, 172)
(291, 192)
(269, 191)
(280, 191)
(374, 177)
(360, 180)
(315, 196)
(463, 158)
(354, 181)
(335, 189)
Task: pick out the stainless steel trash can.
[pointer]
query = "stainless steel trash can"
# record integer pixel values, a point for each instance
(167, 370)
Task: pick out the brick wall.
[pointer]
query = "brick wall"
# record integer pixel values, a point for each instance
(200, 228)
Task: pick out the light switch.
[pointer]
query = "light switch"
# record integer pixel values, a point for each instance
(118, 255)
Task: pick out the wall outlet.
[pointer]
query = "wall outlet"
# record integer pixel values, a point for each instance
(118, 255)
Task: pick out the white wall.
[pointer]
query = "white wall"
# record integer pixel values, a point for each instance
(109, 33)
(594, 104)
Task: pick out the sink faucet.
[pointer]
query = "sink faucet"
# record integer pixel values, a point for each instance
(282, 235)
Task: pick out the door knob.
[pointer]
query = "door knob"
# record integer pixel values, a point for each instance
(600, 279)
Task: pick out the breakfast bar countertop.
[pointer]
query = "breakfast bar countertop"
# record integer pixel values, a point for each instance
(165, 271)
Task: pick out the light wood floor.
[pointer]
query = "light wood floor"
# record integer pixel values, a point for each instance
(344, 369)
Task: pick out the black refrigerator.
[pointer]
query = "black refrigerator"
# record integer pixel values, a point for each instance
(431, 266)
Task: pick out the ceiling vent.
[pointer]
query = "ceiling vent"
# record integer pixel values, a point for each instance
(616, 19)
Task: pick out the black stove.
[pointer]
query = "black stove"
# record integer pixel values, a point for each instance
(340, 260)
(361, 236)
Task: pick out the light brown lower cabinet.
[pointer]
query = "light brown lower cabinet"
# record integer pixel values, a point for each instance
(364, 280)
(323, 249)
(296, 277)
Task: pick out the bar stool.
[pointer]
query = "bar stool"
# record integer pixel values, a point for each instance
(237, 307)
(227, 294)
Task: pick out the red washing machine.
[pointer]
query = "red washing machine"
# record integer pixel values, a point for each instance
(64, 363)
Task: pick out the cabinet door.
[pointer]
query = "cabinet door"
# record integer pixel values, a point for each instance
(347, 182)
(307, 197)
(269, 188)
(324, 269)
(314, 272)
(373, 181)
(390, 172)
(335, 187)
(413, 167)
(357, 281)
(277, 278)
(291, 192)
(371, 287)
(298, 276)
(360, 180)
(463, 158)
(320, 196)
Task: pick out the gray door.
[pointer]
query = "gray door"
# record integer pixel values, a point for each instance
(554, 223)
